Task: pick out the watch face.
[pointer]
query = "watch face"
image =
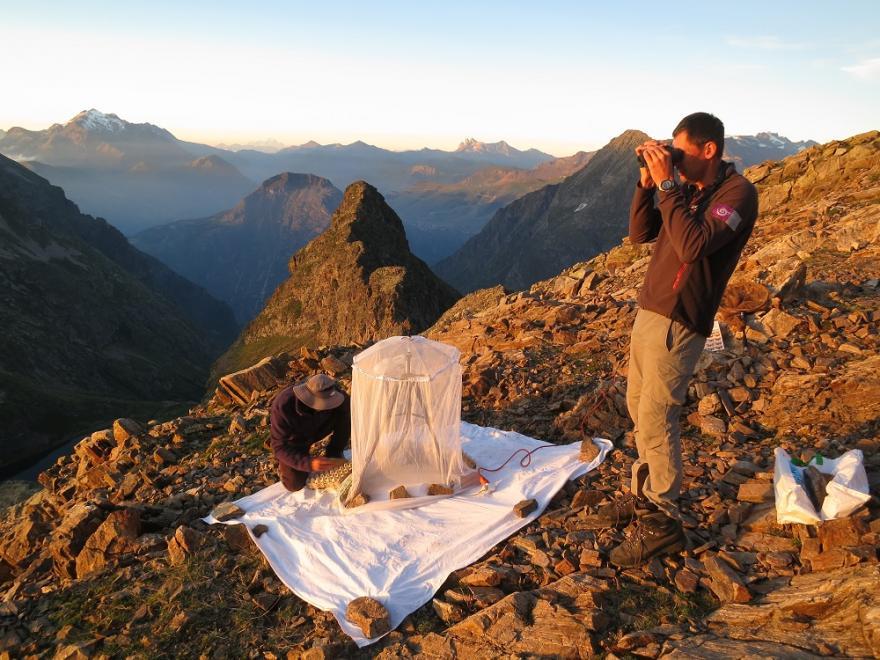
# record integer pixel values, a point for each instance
(667, 185)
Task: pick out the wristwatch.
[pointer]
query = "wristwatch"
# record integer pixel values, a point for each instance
(667, 185)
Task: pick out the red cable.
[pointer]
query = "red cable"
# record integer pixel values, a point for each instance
(524, 462)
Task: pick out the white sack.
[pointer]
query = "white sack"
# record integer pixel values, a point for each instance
(846, 493)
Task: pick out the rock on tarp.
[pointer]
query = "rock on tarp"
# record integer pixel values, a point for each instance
(402, 557)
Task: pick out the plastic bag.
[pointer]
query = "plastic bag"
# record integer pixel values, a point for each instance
(846, 492)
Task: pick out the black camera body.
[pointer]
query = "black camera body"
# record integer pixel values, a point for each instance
(677, 156)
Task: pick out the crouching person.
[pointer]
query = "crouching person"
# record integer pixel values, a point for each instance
(301, 415)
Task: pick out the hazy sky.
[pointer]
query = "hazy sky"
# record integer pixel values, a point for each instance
(559, 76)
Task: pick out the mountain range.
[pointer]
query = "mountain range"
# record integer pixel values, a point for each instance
(136, 175)
(440, 217)
(748, 150)
(140, 175)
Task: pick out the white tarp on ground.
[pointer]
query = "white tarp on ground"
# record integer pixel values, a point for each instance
(402, 557)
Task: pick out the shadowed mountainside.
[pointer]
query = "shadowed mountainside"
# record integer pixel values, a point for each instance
(84, 329)
(240, 256)
(554, 227)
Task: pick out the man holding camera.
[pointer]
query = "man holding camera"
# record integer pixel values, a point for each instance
(699, 225)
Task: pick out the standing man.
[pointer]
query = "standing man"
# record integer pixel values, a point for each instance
(301, 415)
(699, 225)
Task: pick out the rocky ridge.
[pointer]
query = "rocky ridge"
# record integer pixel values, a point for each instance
(356, 282)
(110, 558)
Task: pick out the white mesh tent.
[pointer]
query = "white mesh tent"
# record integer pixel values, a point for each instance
(405, 417)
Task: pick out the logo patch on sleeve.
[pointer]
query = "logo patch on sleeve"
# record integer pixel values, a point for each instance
(726, 214)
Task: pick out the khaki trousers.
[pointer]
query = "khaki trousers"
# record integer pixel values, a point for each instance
(663, 356)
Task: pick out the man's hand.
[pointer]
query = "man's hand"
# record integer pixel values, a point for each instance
(659, 162)
(645, 179)
(322, 464)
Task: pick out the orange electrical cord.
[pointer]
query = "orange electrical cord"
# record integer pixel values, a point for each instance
(526, 460)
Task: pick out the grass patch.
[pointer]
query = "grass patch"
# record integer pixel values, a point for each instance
(200, 606)
(640, 608)
(255, 443)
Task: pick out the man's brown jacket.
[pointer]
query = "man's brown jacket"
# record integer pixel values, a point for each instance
(700, 235)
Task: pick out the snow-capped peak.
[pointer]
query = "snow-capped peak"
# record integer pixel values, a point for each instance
(95, 120)
(470, 144)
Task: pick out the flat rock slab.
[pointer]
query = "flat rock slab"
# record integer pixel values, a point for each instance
(726, 583)
(710, 646)
(524, 508)
(755, 492)
(226, 511)
(399, 493)
(554, 621)
(369, 615)
(589, 450)
(358, 500)
(836, 614)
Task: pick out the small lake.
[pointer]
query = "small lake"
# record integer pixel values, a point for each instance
(30, 472)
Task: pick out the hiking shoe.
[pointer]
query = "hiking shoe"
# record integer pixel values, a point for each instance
(653, 535)
(623, 510)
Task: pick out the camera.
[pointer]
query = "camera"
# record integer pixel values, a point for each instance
(677, 156)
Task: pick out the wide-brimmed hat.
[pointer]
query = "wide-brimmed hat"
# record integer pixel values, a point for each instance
(319, 392)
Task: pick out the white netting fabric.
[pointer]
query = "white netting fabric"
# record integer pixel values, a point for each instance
(405, 417)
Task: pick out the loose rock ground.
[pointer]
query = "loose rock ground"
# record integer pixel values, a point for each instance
(111, 559)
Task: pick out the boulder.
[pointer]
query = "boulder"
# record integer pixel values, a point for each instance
(711, 425)
(786, 278)
(369, 615)
(524, 508)
(399, 493)
(447, 612)
(112, 538)
(125, 428)
(726, 584)
(334, 366)
(184, 543)
(27, 536)
(240, 385)
(781, 324)
(68, 539)
(589, 450)
(226, 511)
